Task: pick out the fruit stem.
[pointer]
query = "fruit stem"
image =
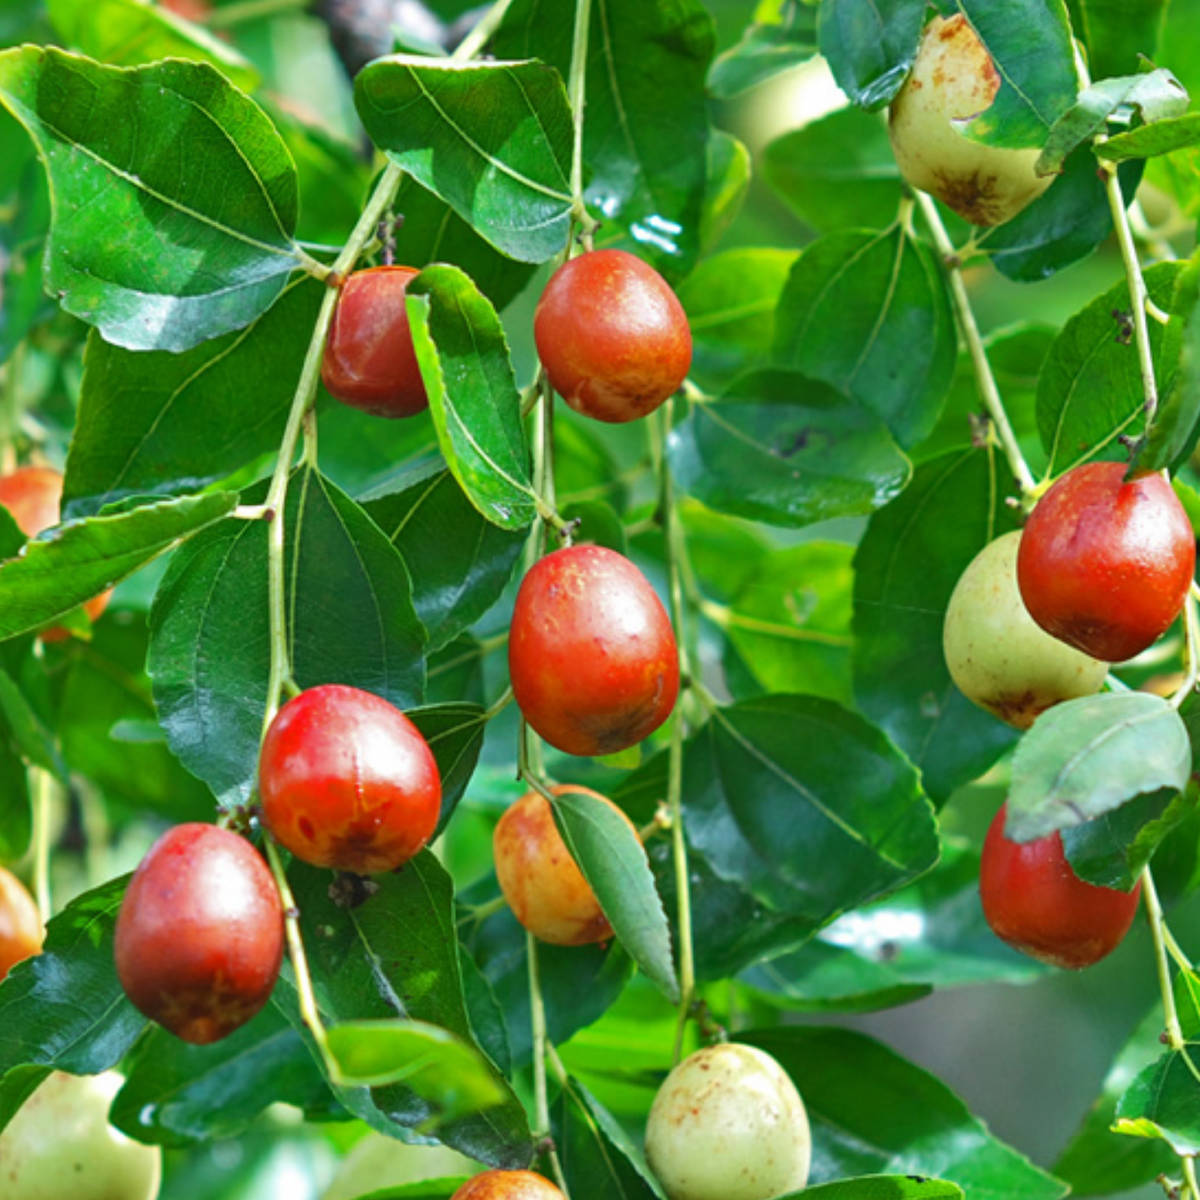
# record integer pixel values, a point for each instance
(1191, 641)
(1158, 935)
(537, 1016)
(577, 92)
(481, 34)
(984, 377)
(43, 789)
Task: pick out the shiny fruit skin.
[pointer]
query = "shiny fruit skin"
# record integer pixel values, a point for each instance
(21, 930)
(1105, 565)
(32, 496)
(507, 1185)
(954, 78)
(728, 1124)
(540, 880)
(998, 656)
(60, 1146)
(1035, 903)
(591, 652)
(370, 362)
(199, 938)
(347, 781)
(612, 336)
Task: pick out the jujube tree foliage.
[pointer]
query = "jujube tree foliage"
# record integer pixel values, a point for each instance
(644, 489)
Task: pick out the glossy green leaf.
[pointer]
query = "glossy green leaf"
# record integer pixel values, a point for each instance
(473, 395)
(870, 46)
(64, 1008)
(786, 450)
(647, 106)
(455, 735)
(907, 565)
(1174, 427)
(394, 955)
(459, 562)
(157, 421)
(870, 315)
(59, 571)
(613, 862)
(1147, 141)
(492, 139)
(1085, 757)
(1116, 32)
(881, 1187)
(1163, 1101)
(837, 172)
(446, 1072)
(1111, 850)
(1156, 96)
(176, 1093)
(352, 622)
(157, 173)
(127, 33)
(783, 35)
(905, 1121)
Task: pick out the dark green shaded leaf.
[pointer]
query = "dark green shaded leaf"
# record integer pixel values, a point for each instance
(472, 394)
(492, 139)
(783, 35)
(786, 450)
(24, 221)
(34, 739)
(1118, 34)
(57, 572)
(1163, 137)
(1173, 430)
(1111, 850)
(1086, 757)
(16, 815)
(870, 47)
(158, 173)
(1163, 1101)
(455, 735)
(907, 565)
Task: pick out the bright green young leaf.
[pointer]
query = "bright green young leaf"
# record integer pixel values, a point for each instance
(492, 139)
(1084, 758)
(56, 573)
(1174, 427)
(783, 35)
(907, 565)
(1090, 390)
(1163, 1101)
(441, 1068)
(157, 173)
(472, 394)
(870, 46)
(614, 863)
(1111, 850)
(870, 315)
(786, 450)
(1156, 96)
(881, 1187)
(1118, 34)
(905, 1121)
(157, 421)
(1148, 141)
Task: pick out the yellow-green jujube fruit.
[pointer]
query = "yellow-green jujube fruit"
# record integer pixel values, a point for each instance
(997, 655)
(60, 1146)
(728, 1124)
(953, 79)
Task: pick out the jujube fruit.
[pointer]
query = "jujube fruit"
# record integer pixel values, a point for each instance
(33, 496)
(612, 336)
(540, 880)
(591, 652)
(728, 1124)
(1105, 565)
(348, 781)
(507, 1185)
(370, 362)
(21, 930)
(997, 655)
(1035, 903)
(953, 79)
(199, 937)
(60, 1146)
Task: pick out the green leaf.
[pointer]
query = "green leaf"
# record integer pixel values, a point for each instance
(24, 223)
(837, 172)
(1186, 989)
(1085, 757)
(455, 735)
(58, 571)
(906, 1120)
(157, 173)
(459, 562)
(34, 739)
(16, 814)
(1111, 850)
(1118, 34)
(158, 421)
(1174, 427)
(907, 565)
(352, 622)
(473, 395)
(786, 450)
(613, 862)
(492, 139)
(1163, 1101)
(783, 35)
(1090, 390)
(881, 1187)
(870, 47)
(870, 315)
(1147, 141)
(1156, 96)
(441, 1068)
